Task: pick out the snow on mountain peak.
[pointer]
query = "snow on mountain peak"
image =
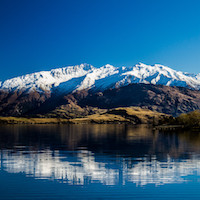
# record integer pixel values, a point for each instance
(85, 76)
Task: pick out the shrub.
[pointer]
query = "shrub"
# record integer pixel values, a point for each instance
(191, 119)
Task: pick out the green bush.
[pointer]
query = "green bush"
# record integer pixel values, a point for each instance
(191, 119)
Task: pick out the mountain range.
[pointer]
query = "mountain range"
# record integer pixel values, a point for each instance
(85, 76)
(82, 89)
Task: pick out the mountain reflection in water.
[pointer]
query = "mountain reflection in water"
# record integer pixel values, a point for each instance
(106, 154)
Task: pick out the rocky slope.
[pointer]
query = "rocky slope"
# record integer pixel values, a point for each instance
(164, 99)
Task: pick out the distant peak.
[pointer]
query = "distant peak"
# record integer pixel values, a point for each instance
(140, 64)
(109, 65)
(86, 66)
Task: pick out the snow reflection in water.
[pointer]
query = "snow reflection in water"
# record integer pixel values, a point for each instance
(83, 167)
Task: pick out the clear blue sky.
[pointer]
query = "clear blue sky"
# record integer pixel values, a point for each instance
(42, 34)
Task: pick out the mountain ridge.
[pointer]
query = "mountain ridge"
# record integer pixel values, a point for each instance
(86, 76)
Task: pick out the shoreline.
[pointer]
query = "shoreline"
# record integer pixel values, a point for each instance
(24, 120)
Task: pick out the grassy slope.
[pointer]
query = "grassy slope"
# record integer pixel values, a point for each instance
(133, 115)
(123, 114)
(21, 120)
(100, 118)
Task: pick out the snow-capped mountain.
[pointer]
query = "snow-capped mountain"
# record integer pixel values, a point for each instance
(85, 76)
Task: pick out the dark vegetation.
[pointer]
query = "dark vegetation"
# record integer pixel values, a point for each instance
(185, 120)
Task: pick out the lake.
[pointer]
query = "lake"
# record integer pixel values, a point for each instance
(98, 162)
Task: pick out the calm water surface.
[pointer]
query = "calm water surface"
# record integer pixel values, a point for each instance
(98, 162)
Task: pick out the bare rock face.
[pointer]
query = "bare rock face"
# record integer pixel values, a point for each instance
(164, 99)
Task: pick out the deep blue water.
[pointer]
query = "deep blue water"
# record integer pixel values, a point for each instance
(98, 162)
